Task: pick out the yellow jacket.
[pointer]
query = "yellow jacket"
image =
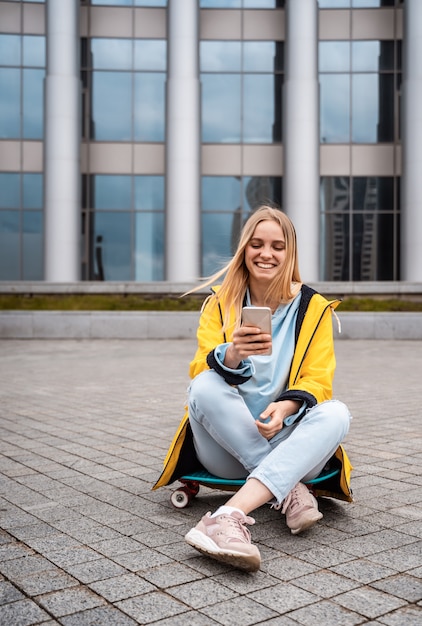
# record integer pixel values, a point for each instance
(310, 380)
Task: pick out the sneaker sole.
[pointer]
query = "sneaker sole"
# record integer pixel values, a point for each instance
(205, 545)
(307, 524)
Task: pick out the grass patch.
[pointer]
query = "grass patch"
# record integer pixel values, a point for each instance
(133, 302)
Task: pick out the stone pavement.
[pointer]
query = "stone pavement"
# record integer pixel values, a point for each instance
(84, 426)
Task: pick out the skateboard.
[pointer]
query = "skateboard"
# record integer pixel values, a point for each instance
(182, 496)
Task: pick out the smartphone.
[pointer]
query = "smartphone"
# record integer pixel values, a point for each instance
(259, 316)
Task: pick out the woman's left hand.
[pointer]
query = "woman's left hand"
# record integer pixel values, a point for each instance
(277, 412)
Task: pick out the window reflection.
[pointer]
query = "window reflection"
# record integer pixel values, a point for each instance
(33, 104)
(150, 54)
(220, 56)
(149, 193)
(111, 192)
(111, 54)
(33, 51)
(334, 56)
(261, 115)
(9, 245)
(9, 103)
(32, 191)
(335, 108)
(111, 106)
(32, 245)
(359, 228)
(9, 191)
(10, 50)
(221, 93)
(112, 236)
(149, 246)
(149, 107)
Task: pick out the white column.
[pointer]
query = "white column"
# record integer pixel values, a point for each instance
(62, 143)
(301, 131)
(411, 186)
(183, 143)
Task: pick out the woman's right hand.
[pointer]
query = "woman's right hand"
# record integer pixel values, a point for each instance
(247, 341)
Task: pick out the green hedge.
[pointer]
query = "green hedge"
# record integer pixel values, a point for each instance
(120, 302)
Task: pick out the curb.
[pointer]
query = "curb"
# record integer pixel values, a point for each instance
(179, 325)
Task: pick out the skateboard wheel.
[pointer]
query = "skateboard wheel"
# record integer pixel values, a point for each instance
(180, 498)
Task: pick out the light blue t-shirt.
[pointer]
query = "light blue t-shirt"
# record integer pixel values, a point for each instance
(269, 373)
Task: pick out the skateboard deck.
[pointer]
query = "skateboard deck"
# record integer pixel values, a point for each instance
(182, 496)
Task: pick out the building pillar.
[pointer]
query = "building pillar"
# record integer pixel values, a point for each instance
(301, 131)
(62, 143)
(183, 143)
(411, 186)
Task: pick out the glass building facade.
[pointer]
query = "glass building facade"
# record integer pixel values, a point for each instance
(124, 53)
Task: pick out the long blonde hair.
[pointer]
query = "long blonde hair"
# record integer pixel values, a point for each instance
(236, 276)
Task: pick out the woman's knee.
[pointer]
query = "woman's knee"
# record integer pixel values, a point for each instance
(336, 416)
(340, 416)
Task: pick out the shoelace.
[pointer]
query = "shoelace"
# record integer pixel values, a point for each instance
(238, 530)
(293, 500)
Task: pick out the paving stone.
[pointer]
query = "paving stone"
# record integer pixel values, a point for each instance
(122, 587)
(403, 586)
(22, 613)
(68, 601)
(95, 570)
(240, 610)
(368, 602)
(200, 593)
(325, 613)
(9, 593)
(151, 607)
(283, 597)
(102, 616)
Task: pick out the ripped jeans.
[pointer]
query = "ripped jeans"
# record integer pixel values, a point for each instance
(229, 445)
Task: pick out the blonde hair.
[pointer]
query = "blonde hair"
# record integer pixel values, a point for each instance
(236, 275)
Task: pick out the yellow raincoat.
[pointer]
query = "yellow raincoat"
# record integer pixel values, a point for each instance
(310, 379)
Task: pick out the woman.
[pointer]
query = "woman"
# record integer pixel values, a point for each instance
(266, 417)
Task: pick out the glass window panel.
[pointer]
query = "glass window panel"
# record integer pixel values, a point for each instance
(221, 193)
(263, 4)
(373, 194)
(334, 56)
(112, 105)
(149, 107)
(221, 117)
(10, 105)
(33, 104)
(372, 108)
(111, 54)
(9, 245)
(10, 191)
(365, 4)
(113, 239)
(259, 190)
(34, 51)
(150, 3)
(121, 3)
(373, 246)
(220, 56)
(149, 246)
(263, 56)
(150, 54)
(335, 231)
(111, 192)
(335, 108)
(10, 50)
(334, 4)
(219, 236)
(220, 4)
(335, 227)
(372, 56)
(259, 98)
(149, 193)
(32, 246)
(33, 191)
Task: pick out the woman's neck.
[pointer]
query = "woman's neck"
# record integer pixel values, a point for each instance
(257, 295)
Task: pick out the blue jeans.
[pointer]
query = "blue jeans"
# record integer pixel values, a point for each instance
(229, 445)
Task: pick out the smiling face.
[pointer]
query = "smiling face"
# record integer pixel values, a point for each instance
(265, 253)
